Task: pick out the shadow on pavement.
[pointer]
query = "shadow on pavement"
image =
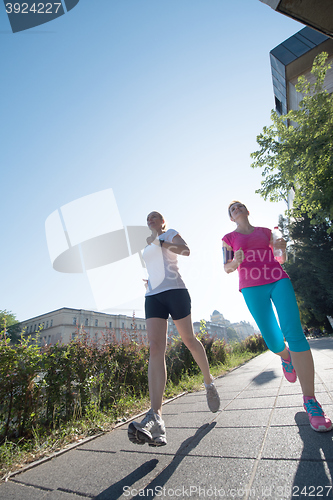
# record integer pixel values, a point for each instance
(117, 489)
(264, 377)
(315, 469)
(155, 486)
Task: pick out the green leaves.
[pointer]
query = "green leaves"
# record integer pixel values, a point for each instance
(310, 267)
(10, 324)
(296, 151)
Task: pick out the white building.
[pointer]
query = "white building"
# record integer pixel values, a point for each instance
(62, 325)
(218, 327)
(243, 329)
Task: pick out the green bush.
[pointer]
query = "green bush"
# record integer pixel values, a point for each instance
(42, 387)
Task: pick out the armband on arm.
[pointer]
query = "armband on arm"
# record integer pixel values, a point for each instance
(227, 255)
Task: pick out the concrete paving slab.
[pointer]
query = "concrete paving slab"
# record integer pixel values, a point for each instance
(244, 404)
(15, 491)
(295, 389)
(258, 393)
(283, 416)
(239, 418)
(231, 443)
(88, 474)
(205, 478)
(294, 442)
(286, 400)
(291, 479)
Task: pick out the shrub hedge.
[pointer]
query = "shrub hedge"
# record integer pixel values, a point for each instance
(40, 387)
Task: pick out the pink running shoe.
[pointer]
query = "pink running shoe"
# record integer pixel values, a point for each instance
(288, 369)
(318, 420)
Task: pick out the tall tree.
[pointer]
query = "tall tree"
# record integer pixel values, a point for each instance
(310, 267)
(296, 151)
(10, 324)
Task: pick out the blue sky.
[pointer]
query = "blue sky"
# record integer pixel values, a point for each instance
(160, 100)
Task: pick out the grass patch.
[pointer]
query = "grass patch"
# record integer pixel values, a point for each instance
(14, 454)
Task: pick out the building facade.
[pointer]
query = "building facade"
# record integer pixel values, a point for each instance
(63, 325)
(293, 58)
(222, 328)
(243, 329)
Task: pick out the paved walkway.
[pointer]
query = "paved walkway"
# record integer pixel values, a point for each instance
(259, 446)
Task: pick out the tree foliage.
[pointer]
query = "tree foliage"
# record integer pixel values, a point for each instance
(310, 267)
(10, 324)
(296, 151)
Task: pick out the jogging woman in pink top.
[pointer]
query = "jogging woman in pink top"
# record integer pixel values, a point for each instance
(262, 282)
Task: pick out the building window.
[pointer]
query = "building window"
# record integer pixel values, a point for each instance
(47, 324)
(35, 328)
(51, 324)
(96, 322)
(140, 327)
(74, 321)
(86, 322)
(278, 106)
(110, 324)
(123, 325)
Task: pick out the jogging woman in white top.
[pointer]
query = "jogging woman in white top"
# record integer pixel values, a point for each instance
(166, 295)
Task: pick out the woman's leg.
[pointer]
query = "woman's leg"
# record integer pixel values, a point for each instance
(284, 300)
(303, 364)
(157, 337)
(258, 300)
(185, 330)
(287, 309)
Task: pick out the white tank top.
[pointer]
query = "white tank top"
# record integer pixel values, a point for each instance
(162, 265)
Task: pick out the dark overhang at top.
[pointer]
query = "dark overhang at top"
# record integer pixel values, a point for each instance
(318, 14)
(292, 57)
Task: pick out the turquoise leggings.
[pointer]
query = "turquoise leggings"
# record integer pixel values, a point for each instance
(259, 300)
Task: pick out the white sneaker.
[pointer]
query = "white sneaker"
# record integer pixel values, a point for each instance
(213, 398)
(151, 430)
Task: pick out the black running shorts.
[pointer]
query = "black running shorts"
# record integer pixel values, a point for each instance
(176, 302)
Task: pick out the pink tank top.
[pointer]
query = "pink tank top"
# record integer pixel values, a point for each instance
(259, 266)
